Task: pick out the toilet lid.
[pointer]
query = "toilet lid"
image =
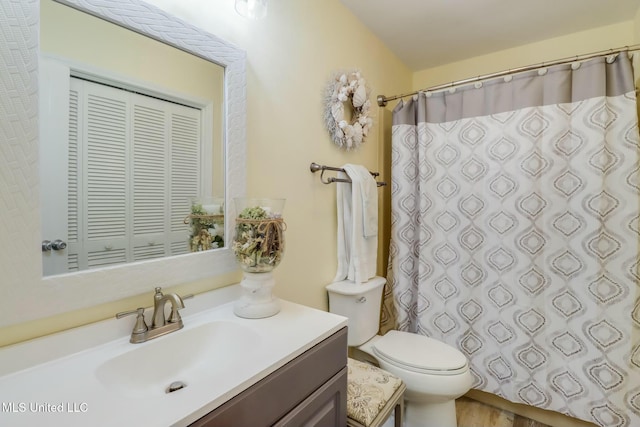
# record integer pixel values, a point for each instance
(419, 353)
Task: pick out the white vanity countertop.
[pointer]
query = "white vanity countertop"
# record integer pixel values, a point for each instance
(52, 380)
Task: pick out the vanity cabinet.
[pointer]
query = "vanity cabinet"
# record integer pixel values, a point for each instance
(309, 391)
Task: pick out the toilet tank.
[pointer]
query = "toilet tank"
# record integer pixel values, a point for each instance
(361, 304)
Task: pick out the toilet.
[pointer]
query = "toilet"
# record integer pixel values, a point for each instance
(434, 373)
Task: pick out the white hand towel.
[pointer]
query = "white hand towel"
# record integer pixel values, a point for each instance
(357, 242)
(365, 183)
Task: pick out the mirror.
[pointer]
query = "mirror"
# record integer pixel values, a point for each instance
(27, 295)
(144, 139)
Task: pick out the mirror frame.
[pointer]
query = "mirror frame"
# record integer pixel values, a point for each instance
(24, 293)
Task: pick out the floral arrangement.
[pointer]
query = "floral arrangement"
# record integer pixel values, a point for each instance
(259, 241)
(342, 88)
(207, 229)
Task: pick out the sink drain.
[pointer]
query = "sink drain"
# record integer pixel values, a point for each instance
(175, 386)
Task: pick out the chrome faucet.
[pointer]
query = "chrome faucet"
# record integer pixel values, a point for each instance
(160, 325)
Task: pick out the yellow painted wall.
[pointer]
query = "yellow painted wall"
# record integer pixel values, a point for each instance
(291, 55)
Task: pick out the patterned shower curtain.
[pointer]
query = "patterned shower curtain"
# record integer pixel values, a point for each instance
(515, 230)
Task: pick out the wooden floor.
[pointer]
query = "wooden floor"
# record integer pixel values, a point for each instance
(472, 413)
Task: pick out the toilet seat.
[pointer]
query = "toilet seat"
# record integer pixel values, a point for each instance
(420, 354)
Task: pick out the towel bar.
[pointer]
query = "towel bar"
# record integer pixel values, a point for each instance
(314, 167)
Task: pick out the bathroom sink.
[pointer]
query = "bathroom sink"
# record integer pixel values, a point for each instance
(93, 376)
(186, 357)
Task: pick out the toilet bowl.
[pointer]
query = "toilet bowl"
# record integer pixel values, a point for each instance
(434, 373)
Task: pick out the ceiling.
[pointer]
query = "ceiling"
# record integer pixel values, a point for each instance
(428, 33)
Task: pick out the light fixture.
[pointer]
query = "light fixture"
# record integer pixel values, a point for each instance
(252, 9)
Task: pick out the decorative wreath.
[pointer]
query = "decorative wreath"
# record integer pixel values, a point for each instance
(345, 87)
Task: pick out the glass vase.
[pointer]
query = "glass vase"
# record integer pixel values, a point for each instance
(258, 245)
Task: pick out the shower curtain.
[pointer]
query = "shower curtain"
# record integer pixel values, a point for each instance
(515, 207)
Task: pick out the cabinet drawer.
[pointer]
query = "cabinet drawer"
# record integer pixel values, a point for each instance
(326, 407)
(273, 397)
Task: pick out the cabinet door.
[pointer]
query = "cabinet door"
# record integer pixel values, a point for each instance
(272, 398)
(324, 408)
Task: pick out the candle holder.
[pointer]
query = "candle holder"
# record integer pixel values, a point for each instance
(258, 245)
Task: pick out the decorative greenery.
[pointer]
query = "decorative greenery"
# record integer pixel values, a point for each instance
(207, 229)
(253, 213)
(259, 240)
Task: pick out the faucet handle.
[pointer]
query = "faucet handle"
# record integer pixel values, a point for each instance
(139, 310)
(140, 325)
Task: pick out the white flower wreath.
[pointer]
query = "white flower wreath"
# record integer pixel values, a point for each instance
(342, 88)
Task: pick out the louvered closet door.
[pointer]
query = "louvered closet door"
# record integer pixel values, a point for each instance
(166, 168)
(102, 174)
(73, 184)
(138, 159)
(150, 161)
(185, 172)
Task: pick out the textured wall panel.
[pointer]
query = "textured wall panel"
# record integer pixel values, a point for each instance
(19, 210)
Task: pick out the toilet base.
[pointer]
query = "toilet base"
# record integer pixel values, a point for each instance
(430, 415)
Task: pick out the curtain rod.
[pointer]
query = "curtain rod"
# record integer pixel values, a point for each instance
(382, 100)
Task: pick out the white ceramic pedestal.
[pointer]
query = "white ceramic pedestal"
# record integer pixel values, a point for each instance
(257, 300)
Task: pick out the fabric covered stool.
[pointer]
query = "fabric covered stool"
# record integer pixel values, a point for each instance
(372, 393)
